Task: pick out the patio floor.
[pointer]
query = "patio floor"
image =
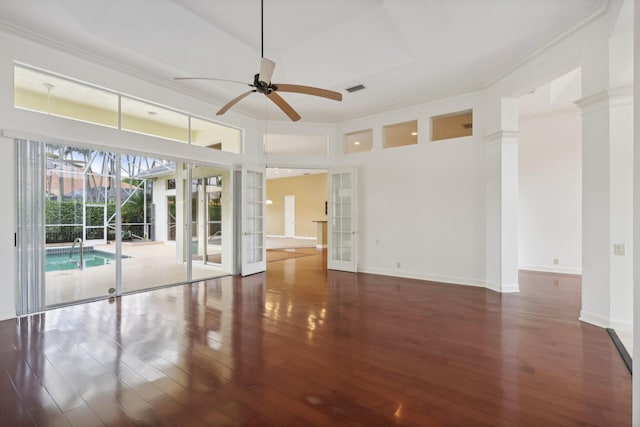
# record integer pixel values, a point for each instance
(151, 264)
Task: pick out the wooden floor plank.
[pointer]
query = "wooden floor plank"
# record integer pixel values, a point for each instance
(303, 346)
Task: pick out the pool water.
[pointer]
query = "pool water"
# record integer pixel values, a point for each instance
(91, 258)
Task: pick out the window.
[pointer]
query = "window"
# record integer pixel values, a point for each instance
(453, 125)
(358, 142)
(400, 134)
(49, 94)
(216, 136)
(149, 119)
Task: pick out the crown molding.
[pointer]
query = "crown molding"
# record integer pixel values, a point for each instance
(601, 10)
(504, 136)
(573, 109)
(612, 97)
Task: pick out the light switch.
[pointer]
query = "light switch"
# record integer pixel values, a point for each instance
(618, 248)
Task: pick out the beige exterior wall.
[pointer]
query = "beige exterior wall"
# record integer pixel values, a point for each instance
(311, 194)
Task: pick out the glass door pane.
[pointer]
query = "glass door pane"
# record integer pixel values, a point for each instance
(153, 209)
(79, 264)
(253, 238)
(342, 248)
(206, 214)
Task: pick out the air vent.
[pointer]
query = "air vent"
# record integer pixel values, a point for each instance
(355, 88)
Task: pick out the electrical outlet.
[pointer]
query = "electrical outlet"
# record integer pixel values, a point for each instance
(556, 261)
(618, 249)
(398, 264)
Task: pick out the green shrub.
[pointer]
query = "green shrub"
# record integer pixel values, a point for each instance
(67, 217)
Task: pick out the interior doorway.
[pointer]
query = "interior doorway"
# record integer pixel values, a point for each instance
(549, 174)
(295, 202)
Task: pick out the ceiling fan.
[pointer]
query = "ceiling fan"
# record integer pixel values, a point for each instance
(262, 83)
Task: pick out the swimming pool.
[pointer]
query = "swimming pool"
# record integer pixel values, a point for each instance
(57, 259)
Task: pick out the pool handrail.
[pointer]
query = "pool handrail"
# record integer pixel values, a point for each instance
(81, 263)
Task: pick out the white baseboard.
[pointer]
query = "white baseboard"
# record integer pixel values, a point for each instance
(621, 325)
(421, 276)
(512, 288)
(551, 269)
(503, 289)
(7, 316)
(278, 236)
(604, 322)
(594, 319)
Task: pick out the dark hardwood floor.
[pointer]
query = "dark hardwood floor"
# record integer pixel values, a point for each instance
(300, 346)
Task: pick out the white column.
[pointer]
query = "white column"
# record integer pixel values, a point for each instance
(502, 211)
(607, 186)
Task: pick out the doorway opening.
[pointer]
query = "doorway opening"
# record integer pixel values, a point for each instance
(296, 212)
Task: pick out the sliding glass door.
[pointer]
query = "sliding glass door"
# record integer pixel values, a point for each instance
(94, 224)
(151, 257)
(78, 192)
(210, 217)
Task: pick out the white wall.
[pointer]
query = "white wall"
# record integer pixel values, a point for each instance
(550, 202)
(421, 205)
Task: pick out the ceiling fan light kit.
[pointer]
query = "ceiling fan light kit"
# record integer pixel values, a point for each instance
(262, 84)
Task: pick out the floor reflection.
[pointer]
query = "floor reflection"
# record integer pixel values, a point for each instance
(300, 345)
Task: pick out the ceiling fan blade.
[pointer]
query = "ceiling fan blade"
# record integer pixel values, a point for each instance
(309, 90)
(266, 70)
(212, 78)
(233, 102)
(284, 106)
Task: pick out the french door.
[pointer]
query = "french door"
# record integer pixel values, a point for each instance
(253, 220)
(342, 242)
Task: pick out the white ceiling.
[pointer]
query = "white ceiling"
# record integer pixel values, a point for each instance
(403, 51)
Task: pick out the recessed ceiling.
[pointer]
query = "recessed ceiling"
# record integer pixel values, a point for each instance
(404, 52)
